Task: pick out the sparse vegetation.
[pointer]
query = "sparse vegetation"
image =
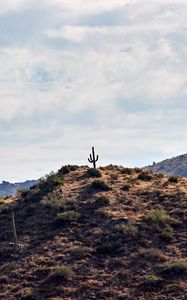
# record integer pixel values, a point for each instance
(94, 172)
(77, 241)
(66, 217)
(159, 217)
(59, 275)
(175, 270)
(100, 185)
(152, 283)
(145, 176)
(174, 179)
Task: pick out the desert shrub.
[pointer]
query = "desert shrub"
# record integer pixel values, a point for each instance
(175, 270)
(126, 187)
(166, 234)
(67, 169)
(152, 254)
(50, 182)
(114, 177)
(59, 275)
(137, 170)
(92, 172)
(23, 192)
(127, 171)
(159, 217)
(102, 201)
(100, 185)
(29, 294)
(174, 179)
(51, 201)
(152, 283)
(145, 176)
(128, 231)
(65, 218)
(82, 251)
(106, 248)
(4, 208)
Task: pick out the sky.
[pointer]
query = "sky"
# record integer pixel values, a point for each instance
(76, 73)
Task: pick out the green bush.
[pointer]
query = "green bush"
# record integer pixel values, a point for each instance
(127, 171)
(67, 169)
(50, 182)
(128, 231)
(174, 179)
(92, 172)
(100, 185)
(177, 270)
(152, 283)
(59, 275)
(126, 187)
(145, 176)
(166, 234)
(152, 254)
(159, 217)
(102, 201)
(66, 218)
(23, 192)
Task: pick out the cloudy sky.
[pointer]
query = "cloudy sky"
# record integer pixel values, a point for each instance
(76, 73)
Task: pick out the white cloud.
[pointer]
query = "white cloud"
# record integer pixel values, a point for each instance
(78, 82)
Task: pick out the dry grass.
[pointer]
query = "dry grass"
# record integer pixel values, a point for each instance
(126, 241)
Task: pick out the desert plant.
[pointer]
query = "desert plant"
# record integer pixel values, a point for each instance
(50, 182)
(174, 179)
(14, 231)
(81, 252)
(92, 172)
(145, 176)
(152, 254)
(93, 159)
(166, 234)
(152, 283)
(59, 275)
(66, 218)
(159, 217)
(177, 270)
(102, 201)
(100, 185)
(126, 187)
(127, 171)
(128, 231)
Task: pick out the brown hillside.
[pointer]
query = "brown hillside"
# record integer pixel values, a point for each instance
(119, 236)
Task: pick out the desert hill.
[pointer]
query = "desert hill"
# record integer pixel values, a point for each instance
(10, 189)
(173, 166)
(85, 234)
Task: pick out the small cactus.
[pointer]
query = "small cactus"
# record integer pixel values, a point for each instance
(93, 159)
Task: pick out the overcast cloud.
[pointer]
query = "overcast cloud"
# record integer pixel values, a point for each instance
(109, 73)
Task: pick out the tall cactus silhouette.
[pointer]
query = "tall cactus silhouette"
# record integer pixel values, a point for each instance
(14, 231)
(93, 159)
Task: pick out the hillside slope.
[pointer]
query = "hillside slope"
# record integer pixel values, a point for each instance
(119, 236)
(173, 166)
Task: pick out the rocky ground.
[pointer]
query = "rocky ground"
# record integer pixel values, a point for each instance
(113, 233)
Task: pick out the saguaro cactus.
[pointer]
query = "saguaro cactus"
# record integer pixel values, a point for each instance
(93, 159)
(14, 231)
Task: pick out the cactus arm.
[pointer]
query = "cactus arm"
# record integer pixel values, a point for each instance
(92, 158)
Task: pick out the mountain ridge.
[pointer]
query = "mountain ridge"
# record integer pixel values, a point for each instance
(173, 166)
(10, 189)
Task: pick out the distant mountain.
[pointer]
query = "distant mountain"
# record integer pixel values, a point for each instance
(10, 189)
(173, 166)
